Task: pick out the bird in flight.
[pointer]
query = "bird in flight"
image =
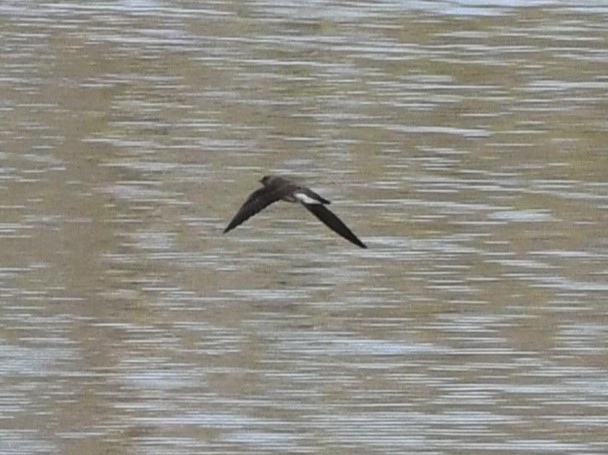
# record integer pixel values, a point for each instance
(277, 188)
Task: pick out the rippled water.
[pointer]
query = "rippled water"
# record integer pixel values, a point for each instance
(463, 141)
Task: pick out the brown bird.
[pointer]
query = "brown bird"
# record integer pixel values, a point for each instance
(278, 188)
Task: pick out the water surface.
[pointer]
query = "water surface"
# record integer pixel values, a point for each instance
(463, 141)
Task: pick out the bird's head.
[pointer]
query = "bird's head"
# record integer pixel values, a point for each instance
(264, 180)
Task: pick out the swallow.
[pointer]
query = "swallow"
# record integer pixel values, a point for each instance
(277, 188)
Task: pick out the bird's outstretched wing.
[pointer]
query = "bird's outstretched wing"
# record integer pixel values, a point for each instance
(330, 220)
(258, 201)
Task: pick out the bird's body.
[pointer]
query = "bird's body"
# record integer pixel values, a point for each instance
(277, 188)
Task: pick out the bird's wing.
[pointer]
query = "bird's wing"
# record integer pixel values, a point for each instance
(258, 201)
(330, 220)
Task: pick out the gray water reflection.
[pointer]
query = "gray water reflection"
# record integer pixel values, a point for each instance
(463, 141)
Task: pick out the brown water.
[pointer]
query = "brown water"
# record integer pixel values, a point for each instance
(465, 144)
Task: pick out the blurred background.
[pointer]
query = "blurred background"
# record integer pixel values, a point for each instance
(463, 141)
